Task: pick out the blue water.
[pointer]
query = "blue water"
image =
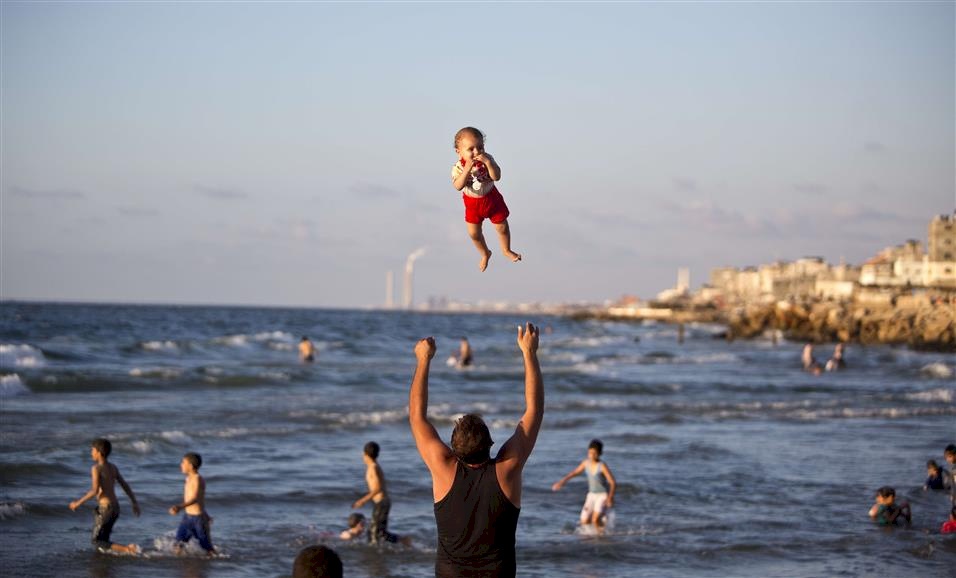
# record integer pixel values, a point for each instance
(730, 460)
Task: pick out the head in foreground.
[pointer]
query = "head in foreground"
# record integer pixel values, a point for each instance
(470, 440)
(317, 562)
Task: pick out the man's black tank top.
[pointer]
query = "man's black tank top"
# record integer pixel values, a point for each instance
(476, 526)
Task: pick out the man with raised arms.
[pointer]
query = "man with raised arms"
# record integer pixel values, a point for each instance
(477, 497)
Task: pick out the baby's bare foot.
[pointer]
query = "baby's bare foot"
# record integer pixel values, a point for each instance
(515, 257)
(483, 264)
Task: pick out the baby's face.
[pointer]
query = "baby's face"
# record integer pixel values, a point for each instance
(469, 147)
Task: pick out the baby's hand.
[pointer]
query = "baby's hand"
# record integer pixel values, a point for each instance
(482, 158)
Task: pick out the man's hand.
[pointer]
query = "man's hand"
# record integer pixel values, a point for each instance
(136, 511)
(425, 349)
(173, 510)
(528, 339)
(74, 505)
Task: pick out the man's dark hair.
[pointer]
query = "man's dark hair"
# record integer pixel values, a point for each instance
(103, 446)
(317, 562)
(194, 459)
(598, 445)
(886, 492)
(371, 450)
(950, 449)
(471, 440)
(355, 519)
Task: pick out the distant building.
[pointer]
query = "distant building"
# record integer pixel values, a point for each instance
(942, 238)
(894, 268)
(907, 265)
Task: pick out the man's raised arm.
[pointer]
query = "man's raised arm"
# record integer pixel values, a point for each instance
(433, 451)
(520, 444)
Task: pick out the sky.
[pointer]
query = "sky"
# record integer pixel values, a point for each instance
(294, 153)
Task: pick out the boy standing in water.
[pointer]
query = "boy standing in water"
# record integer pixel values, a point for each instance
(105, 477)
(885, 512)
(378, 494)
(195, 522)
(474, 175)
(950, 454)
(600, 496)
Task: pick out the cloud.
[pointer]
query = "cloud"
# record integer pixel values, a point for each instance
(685, 185)
(131, 211)
(874, 147)
(221, 194)
(811, 188)
(62, 194)
(705, 214)
(373, 190)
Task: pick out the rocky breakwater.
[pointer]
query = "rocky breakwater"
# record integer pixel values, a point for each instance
(920, 323)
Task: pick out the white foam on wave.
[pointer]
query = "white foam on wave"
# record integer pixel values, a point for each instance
(160, 345)
(370, 417)
(937, 369)
(20, 355)
(709, 358)
(10, 510)
(275, 375)
(176, 437)
(11, 385)
(142, 446)
(942, 394)
(273, 336)
(164, 372)
(274, 339)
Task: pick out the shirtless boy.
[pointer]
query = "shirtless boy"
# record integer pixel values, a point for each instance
(195, 522)
(105, 476)
(378, 494)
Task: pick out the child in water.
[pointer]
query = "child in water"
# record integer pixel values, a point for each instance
(885, 512)
(935, 476)
(949, 526)
(601, 486)
(474, 175)
(195, 522)
(105, 476)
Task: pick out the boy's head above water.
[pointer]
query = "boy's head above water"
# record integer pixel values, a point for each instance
(886, 495)
(191, 463)
(950, 453)
(371, 449)
(932, 467)
(101, 446)
(356, 519)
(595, 449)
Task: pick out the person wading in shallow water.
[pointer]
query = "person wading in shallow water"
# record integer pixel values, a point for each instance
(477, 497)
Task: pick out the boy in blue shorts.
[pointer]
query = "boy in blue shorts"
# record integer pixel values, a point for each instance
(195, 522)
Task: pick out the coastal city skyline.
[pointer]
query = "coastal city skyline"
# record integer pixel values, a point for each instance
(293, 154)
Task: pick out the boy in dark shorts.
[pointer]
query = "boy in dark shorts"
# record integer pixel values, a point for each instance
(105, 476)
(377, 494)
(195, 522)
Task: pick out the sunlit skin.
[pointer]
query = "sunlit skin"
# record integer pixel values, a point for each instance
(471, 149)
(104, 477)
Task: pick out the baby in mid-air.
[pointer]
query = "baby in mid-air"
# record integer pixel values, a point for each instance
(474, 175)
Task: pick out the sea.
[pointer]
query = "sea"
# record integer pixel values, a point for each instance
(729, 460)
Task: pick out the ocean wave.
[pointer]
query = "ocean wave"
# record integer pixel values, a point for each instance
(163, 372)
(942, 394)
(9, 510)
(168, 346)
(269, 338)
(11, 386)
(142, 446)
(20, 355)
(176, 437)
(937, 369)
